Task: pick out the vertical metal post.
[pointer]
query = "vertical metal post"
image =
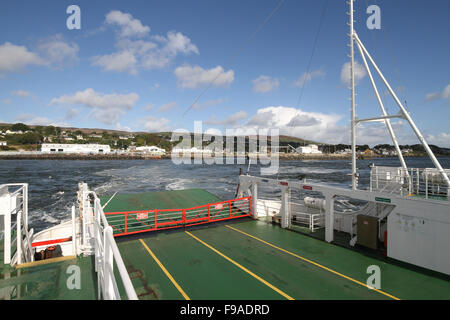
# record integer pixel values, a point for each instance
(7, 238)
(19, 237)
(25, 206)
(285, 207)
(329, 218)
(108, 264)
(418, 180)
(353, 116)
(74, 233)
(255, 199)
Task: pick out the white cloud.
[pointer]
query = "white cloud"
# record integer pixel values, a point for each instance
(39, 121)
(178, 43)
(308, 76)
(106, 108)
(167, 106)
(134, 55)
(153, 124)
(444, 94)
(15, 58)
(122, 128)
(314, 126)
(52, 52)
(57, 52)
(128, 25)
(124, 61)
(195, 77)
(231, 120)
(265, 84)
(326, 128)
(360, 73)
(441, 140)
(20, 93)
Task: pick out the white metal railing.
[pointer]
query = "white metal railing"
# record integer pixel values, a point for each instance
(106, 253)
(15, 234)
(422, 182)
(313, 218)
(312, 221)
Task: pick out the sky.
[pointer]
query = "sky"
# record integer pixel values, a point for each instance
(162, 65)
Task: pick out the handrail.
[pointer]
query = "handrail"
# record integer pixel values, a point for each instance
(23, 251)
(133, 222)
(106, 252)
(422, 182)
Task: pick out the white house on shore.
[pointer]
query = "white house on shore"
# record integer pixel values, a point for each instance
(194, 150)
(3, 143)
(310, 149)
(75, 148)
(151, 149)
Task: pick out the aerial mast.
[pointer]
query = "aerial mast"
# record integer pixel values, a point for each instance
(352, 83)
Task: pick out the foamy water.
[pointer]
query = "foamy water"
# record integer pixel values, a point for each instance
(53, 183)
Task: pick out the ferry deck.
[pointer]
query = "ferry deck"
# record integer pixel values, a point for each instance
(234, 259)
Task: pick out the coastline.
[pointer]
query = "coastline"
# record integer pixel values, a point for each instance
(141, 156)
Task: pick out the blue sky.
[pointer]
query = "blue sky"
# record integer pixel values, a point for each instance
(139, 65)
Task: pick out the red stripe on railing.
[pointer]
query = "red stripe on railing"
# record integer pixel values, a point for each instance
(47, 242)
(180, 217)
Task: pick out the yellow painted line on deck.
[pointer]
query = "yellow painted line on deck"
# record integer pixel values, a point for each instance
(165, 271)
(242, 268)
(314, 263)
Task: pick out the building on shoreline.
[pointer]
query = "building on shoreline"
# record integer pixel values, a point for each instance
(309, 149)
(154, 150)
(75, 148)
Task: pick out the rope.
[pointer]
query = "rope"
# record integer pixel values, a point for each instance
(109, 200)
(312, 52)
(236, 54)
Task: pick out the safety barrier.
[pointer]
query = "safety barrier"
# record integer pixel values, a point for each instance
(132, 222)
(106, 255)
(14, 232)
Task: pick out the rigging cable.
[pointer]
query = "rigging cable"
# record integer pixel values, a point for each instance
(237, 53)
(305, 80)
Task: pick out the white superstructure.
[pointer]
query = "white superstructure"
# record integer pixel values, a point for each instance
(75, 148)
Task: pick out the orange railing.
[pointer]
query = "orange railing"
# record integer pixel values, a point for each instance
(132, 222)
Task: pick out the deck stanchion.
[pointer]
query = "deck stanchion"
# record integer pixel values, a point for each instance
(329, 218)
(254, 199)
(229, 208)
(126, 216)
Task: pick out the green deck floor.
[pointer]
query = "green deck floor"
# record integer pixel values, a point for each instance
(175, 199)
(218, 262)
(204, 274)
(48, 281)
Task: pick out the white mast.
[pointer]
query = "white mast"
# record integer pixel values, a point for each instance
(404, 114)
(352, 81)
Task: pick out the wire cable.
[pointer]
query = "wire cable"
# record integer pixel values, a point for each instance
(237, 53)
(312, 52)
